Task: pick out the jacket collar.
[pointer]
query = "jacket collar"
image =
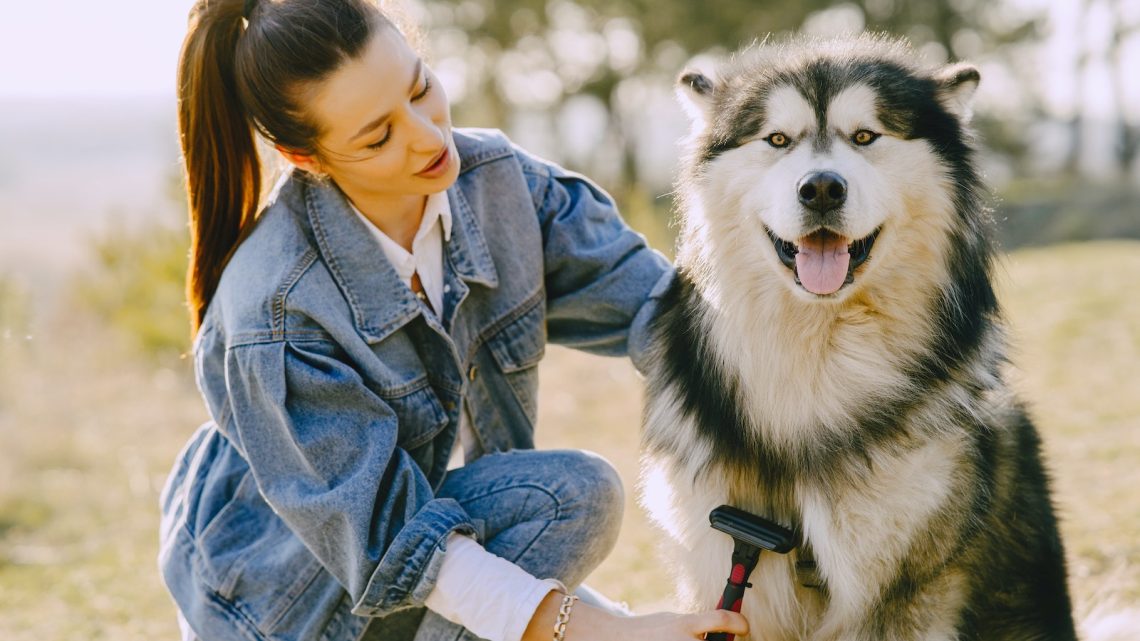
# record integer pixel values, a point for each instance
(380, 302)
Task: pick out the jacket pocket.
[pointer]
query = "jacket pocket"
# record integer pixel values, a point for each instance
(253, 560)
(521, 344)
(420, 414)
(517, 349)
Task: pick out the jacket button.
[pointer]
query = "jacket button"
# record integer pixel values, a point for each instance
(471, 373)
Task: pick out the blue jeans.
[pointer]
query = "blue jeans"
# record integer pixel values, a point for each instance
(554, 513)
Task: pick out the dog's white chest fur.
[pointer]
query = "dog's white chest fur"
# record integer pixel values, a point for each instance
(857, 532)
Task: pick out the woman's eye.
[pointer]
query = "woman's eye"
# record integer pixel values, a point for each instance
(864, 137)
(778, 140)
(427, 88)
(388, 134)
(380, 143)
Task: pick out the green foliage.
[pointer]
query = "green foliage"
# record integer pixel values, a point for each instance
(1032, 213)
(650, 216)
(521, 58)
(723, 24)
(15, 310)
(136, 285)
(22, 513)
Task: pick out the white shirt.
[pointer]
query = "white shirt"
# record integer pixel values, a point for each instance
(426, 259)
(484, 593)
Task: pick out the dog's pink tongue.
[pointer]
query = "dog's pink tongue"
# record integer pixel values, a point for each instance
(822, 262)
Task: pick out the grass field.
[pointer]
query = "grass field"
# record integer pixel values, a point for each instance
(87, 432)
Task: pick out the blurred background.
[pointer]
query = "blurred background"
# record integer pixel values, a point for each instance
(96, 396)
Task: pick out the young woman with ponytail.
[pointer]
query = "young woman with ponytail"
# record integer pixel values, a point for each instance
(366, 341)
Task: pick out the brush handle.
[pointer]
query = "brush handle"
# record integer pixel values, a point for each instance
(750, 534)
(733, 595)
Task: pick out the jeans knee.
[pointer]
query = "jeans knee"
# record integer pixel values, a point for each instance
(597, 497)
(574, 503)
(607, 488)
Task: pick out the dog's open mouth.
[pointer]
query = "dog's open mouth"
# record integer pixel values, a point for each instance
(823, 261)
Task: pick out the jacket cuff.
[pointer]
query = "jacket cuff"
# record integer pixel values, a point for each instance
(641, 329)
(413, 558)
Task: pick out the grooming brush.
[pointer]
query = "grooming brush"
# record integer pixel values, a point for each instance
(750, 535)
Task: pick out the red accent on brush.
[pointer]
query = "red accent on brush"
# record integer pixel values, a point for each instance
(737, 574)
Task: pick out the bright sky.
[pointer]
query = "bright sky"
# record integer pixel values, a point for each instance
(91, 47)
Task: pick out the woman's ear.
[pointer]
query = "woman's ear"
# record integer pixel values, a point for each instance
(306, 162)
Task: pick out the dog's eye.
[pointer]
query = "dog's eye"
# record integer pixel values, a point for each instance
(778, 140)
(864, 137)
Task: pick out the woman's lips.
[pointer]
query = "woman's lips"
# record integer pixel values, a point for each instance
(438, 164)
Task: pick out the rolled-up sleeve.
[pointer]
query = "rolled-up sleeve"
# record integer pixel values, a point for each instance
(323, 450)
(602, 279)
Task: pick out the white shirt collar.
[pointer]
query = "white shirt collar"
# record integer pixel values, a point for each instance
(426, 256)
(439, 202)
(437, 207)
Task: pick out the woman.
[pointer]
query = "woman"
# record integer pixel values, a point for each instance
(388, 306)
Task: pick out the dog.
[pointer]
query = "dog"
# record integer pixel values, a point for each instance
(830, 355)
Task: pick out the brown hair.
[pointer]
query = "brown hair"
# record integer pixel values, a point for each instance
(238, 76)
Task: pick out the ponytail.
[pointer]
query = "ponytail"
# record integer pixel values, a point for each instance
(223, 171)
(240, 74)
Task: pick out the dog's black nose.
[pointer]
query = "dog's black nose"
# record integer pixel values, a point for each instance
(822, 191)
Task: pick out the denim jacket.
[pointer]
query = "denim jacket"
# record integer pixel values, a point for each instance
(307, 503)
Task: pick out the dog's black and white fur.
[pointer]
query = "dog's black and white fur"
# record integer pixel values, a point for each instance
(863, 404)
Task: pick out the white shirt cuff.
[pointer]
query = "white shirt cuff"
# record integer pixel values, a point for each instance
(485, 593)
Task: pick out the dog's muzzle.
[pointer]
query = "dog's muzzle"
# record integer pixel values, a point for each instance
(823, 261)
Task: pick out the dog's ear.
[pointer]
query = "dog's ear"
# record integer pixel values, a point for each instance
(695, 89)
(956, 86)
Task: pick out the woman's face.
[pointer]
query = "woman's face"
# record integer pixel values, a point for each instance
(385, 124)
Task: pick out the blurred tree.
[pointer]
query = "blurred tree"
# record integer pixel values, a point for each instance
(524, 64)
(1101, 118)
(15, 312)
(1123, 32)
(137, 282)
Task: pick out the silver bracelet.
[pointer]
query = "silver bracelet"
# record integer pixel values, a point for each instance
(563, 616)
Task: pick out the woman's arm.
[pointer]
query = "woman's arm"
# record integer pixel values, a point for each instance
(486, 593)
(601, 277)
(323, 450)
(587, 623)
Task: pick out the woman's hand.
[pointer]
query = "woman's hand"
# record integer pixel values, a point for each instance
(588, 623)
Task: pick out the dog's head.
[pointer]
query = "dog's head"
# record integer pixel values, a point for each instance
(819, 154)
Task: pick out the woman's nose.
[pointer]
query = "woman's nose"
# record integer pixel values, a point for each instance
(428, 137)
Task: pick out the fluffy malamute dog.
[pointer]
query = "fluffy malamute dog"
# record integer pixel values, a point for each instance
(830, 358)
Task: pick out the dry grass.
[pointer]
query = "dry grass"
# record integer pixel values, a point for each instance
(86, 438)
(87, 434)
(1076, 340)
